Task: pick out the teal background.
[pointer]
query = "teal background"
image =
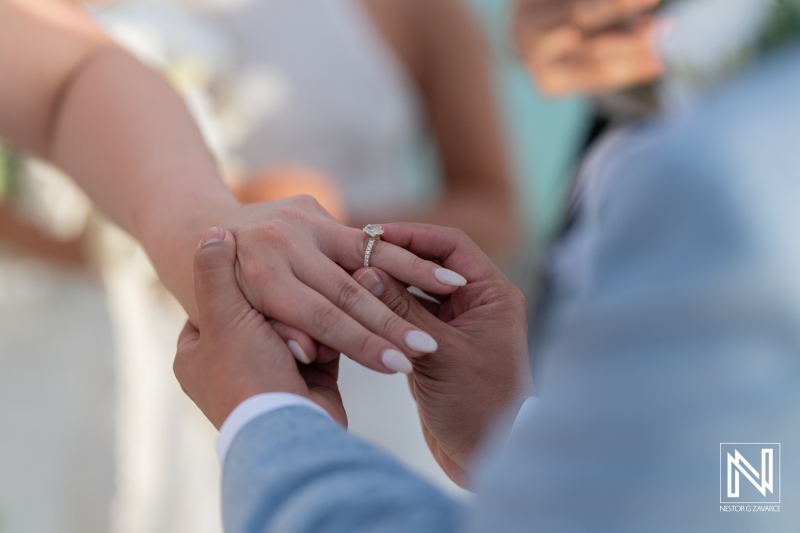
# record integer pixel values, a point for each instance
(544, 134)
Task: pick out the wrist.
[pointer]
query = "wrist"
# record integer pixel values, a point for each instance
(181, 207)
(169, 221)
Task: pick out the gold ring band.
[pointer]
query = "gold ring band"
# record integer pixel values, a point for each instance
(373, 234)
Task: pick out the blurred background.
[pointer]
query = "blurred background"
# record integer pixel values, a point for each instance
(293, 96)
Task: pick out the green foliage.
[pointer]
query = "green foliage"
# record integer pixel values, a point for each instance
(783, 24)
(9, 165)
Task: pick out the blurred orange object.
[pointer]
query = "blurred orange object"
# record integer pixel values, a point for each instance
(283, 182)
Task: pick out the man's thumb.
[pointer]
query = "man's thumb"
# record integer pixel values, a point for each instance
(216, 290)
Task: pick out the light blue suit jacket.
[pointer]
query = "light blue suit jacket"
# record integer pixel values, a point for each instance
(680, 330)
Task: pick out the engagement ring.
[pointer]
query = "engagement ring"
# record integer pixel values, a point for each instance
(374, 233)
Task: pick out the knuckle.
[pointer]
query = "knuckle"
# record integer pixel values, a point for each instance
(256, 277)
(367, 345)
(398, 303)
(325, 320)
(279, 233)
(307, 200)
(415, 264)
(350, 295)
(459, 234)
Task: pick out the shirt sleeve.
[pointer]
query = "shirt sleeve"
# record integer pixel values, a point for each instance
(254, 407)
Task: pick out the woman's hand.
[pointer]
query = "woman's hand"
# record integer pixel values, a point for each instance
(586, 46)
(236, 354)
(293, 266)
(481, 367)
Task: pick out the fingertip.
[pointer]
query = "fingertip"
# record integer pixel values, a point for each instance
(212, 235)
(370, 280)
(216, 235)
(421, 342)
(298, 352)
(396, 361)
(449, 277)
(300, 344)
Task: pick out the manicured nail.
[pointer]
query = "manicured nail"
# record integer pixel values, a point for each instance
(448, 277)
(297, 351)
(371, 281)
(213, 235)
(420, 341)
(394, 360)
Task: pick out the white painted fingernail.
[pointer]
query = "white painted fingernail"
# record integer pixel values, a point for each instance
(420, 341)
(394, 360)
(448, 277)
(297, 351)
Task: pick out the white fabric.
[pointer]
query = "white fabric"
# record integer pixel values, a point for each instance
(254, 407)
(56, 399)
(525, 411)
(313, 83)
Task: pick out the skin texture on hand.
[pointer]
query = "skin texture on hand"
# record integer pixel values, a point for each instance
(236, 354)
(586, 46)
(481, 367)
(293, 260)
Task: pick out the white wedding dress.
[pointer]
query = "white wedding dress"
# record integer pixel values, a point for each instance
(313, 82)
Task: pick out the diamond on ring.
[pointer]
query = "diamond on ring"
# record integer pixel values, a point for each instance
(374, 233)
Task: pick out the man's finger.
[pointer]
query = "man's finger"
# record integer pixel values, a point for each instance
(449, 247)
(349, 250)
(219, 299)
(397, 298)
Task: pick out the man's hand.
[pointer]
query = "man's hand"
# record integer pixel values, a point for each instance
(586, 46)
(481, 367)
(236, 354)
(293, 262)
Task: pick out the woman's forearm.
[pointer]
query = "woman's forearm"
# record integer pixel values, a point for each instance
(73, 97)
(128, 140)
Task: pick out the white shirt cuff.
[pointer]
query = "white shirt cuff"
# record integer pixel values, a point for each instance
(525, 411)
(252, 408)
